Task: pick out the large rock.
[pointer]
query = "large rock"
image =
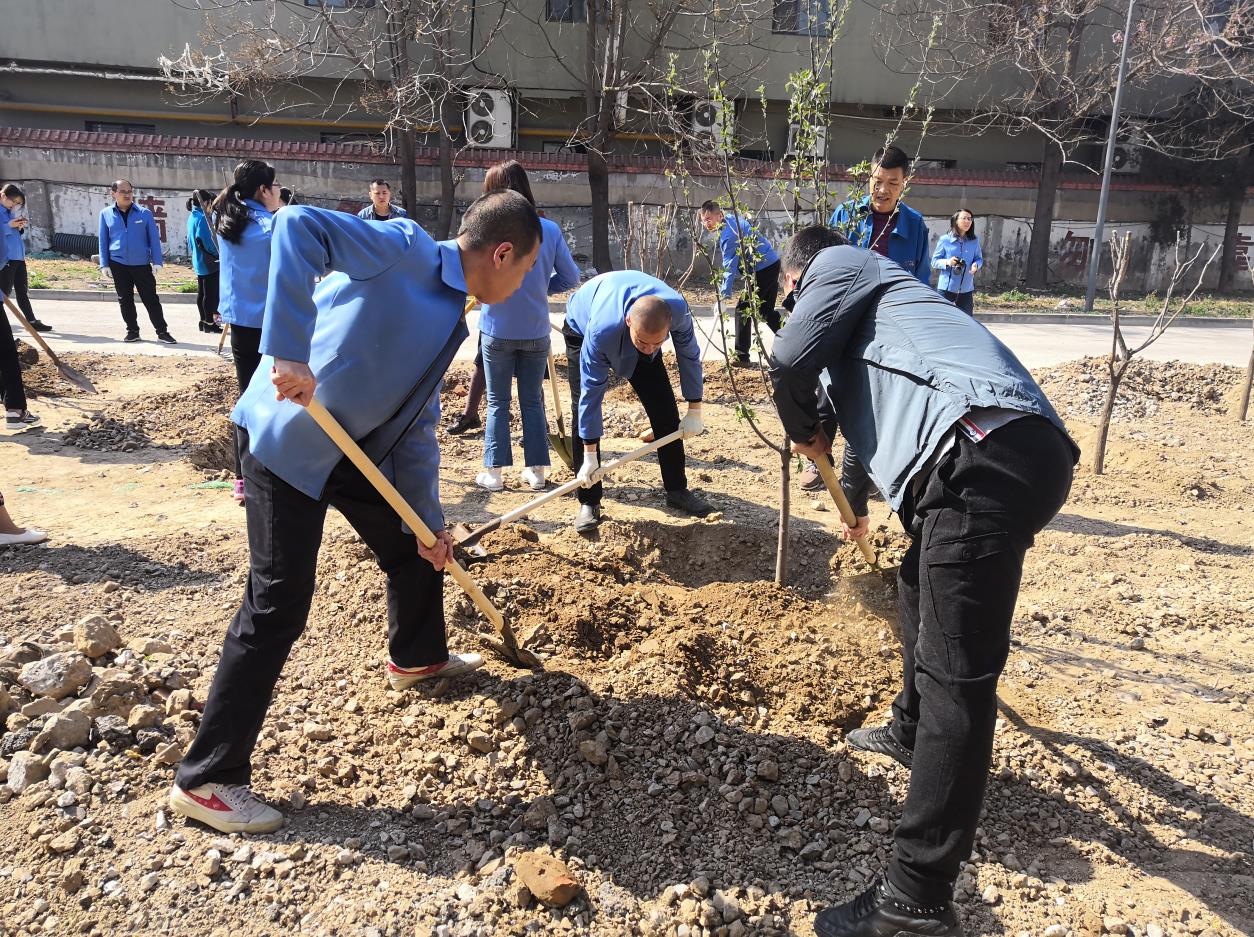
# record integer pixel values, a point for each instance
(26, 769)
(6, 702)
(95, 635)
(115, 695)
(547, 878)
(57, 675)
(63, 731)
(112, 730)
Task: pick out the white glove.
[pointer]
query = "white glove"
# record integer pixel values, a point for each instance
(157, 266)
(105, 272)
(591, 467)
(692, 424)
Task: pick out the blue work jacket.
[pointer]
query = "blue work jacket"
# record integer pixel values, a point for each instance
(907, 242)
(525, 315)
(200, 243)
(244, 275)
(729, 236)
(14, 248)
(968, 249)
(132, 241)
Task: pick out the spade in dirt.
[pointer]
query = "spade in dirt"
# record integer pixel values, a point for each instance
(74, 376)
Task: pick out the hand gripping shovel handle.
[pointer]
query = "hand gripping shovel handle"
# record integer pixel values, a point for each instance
(332, 428)
(226, 328)
(70, 374)
(842, 505)
(475, 535)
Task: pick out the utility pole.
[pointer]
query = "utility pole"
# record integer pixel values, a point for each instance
(1096, 255)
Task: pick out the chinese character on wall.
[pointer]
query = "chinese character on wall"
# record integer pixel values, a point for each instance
(1243, 250)
(157, 207)
(1074, 256)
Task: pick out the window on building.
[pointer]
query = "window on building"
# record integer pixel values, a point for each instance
(104, 126)
(566, 11)
(800, 17)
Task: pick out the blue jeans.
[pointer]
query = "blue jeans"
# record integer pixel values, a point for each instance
(503, 360)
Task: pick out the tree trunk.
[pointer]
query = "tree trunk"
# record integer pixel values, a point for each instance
(409, 174)
(1232, 228)
(1103, 421)
(1043, 219)
(448, 193)
(1243, 407)
(781, 548)
(599, 189)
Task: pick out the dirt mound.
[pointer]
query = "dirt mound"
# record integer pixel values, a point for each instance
(41, 378)
(1079, 388)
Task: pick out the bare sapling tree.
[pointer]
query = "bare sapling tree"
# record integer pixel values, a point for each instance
(404, 61)
(1173, 306)
(1243, 402)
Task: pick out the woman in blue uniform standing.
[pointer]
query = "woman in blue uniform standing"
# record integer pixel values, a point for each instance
(243, 217)
(204, 253)
(516, 345)
(958, 257)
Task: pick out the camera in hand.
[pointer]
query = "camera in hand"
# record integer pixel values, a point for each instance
(959, 265)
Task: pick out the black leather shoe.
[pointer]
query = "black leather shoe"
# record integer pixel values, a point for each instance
(588, 519)
(880, 741)
(464, 424)
(878, 912)
(689, 503)
(39, 326)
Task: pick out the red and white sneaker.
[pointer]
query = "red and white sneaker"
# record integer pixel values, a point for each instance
(402, 678)
(229, 808)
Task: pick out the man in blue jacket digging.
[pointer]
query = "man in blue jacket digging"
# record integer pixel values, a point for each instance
(374, 338)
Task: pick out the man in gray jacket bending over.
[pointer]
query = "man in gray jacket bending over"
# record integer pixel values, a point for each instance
(961, 441)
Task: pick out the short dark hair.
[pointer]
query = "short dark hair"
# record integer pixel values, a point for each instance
(10, 190)
(287, 196)
(953, 223)
(652, 313)
(382, 182)
(710, 205)
(501, 216)
(118, 182)
(807, 242)
(892, 157)
(508, 175)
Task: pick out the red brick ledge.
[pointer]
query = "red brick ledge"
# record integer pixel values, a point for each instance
(131, 143)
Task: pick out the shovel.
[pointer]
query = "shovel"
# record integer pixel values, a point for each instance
(466, 538)
(828, 473)
(508, 646)
(75, 377)
(226, 329)
(559, 441)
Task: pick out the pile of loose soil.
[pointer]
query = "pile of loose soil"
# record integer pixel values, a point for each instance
(1079, 388)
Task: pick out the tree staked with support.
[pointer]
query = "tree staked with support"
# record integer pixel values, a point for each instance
(406, 61)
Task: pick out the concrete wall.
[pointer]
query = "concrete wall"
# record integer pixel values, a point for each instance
(67, 185)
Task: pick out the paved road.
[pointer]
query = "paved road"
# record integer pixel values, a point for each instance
(96, 325)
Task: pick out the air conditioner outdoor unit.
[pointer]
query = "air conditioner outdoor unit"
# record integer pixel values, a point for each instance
(490, 119)
(818, 149)
(708, 123)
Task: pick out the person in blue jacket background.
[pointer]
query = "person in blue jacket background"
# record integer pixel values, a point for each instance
(381, 207)
(958, 258)
(11, 388)
(204, 253)
(130, 248)
(732, 229)
(14, 279)
(515, 337)
(881, 222)
(244, 216)
(617, 323)
(374, 339)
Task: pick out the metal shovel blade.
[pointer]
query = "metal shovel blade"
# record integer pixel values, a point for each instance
(72, 375)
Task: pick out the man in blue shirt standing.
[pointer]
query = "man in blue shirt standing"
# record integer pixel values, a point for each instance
(381, 207)
(617, 323)
(967, 449)
(374, 338)
(881, 222)
(130, 248)
(733, 231)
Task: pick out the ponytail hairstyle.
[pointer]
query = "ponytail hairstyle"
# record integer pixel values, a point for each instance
(200, 198)
(510, 176)
(229, 208)
(287, 196)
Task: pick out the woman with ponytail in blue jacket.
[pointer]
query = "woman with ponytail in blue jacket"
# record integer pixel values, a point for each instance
(958, 257)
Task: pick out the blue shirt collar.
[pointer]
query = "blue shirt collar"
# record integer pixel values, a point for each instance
(451, 271)
(901, 226)
(256, 206)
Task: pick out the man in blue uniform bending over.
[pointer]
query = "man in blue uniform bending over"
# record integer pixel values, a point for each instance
(618, 322)
(375, 339)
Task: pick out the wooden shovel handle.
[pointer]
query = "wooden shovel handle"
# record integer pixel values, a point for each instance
(557, 397)
(332, 428)
(39, 340)
(828, 474)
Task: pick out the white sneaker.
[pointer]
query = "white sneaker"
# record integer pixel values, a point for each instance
(228, 808)
(20, 419)
(490, 478)
(533, 475)
(29, 535)
(402, 678)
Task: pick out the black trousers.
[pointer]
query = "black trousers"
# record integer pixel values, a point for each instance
(15, 283)
(768, 290)
(284, 535)
(207, 296)
(129, 279)
(653, 386)
(964, 301)
(246, 353)
(10, 368)
(971, 525)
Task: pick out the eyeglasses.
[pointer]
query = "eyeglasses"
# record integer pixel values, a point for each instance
(125, 191)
